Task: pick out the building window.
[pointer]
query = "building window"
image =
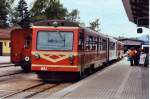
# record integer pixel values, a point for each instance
(5, 43)
(9, 44)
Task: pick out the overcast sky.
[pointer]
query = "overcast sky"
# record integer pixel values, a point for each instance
(113, 19)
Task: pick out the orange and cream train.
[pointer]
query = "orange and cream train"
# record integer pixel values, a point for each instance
(63, 48)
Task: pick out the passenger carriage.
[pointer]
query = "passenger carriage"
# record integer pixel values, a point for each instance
(62, 48)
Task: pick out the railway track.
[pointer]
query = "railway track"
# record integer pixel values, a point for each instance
(32, 91)
(10, 74)
(8, 77)
(6, 65)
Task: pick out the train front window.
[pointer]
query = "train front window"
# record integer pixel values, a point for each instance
(54, 40)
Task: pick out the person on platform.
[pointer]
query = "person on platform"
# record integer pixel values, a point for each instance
(131, 56)
(137, 56)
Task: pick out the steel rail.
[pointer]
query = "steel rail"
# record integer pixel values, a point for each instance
(34, 86)
(35, 93)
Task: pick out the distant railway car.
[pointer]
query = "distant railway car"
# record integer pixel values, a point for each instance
(120, 49)
(67, 49)
(62, 48)
(112, 49)
(21, 40)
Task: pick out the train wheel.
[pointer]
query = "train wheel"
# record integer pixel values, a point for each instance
(78, 76)
(91, 69)
(105, 64)
(26, 66)
(43, 76)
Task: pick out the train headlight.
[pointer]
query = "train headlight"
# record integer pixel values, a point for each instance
(71, 58)
(37, 56)
(27, 58)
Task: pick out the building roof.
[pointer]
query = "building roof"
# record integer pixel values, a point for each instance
(137, 11)
(130, 40)
(5, 33)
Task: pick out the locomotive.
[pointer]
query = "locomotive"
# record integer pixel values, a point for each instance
(59, 46)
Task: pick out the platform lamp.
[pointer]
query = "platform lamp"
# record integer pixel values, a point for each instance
(142, 22)
(139, 30)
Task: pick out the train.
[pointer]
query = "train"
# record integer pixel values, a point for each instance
(59, 46)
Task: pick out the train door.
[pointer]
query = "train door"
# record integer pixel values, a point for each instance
(1, 48)
(107, 51)
(97, 46)
(104, 49)
(117, 50)
(81, 50)
(27, 45)
(26, 56)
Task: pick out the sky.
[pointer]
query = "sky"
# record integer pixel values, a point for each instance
(112, 15)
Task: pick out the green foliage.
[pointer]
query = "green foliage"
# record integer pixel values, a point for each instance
(39, 7)
(23, 14)
(15, 15)
(94, 25)
(56, 11)
(4, 11)
(48, 9)
(22, 9)
(73, 16)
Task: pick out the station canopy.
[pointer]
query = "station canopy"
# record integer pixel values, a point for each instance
(137, 12)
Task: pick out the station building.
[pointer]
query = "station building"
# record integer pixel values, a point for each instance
(5, 41)
(128, 43)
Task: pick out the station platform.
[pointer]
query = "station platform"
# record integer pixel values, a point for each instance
(118, 81)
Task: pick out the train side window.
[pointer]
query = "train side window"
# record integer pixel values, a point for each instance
(92, 43)
(95, 43)
(27, 42)
(104, 44)
(100, 44)
(89, 44)
(81, 41)
(111, 45)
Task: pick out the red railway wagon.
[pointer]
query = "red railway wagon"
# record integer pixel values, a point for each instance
(21, 48)
(67, 49)
(62, 49)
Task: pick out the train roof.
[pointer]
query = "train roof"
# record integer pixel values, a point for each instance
(94, 32)
(56, 22)
(66, 25)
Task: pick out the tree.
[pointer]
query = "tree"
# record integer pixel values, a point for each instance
(48, 9)
(15, 16)
(23, 14)
(22, 9)
(5, 6)
(56, 10)
(38, 9)
(94, 25)
(73, 16)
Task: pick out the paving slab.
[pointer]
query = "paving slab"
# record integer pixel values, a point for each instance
(118, 81)
(4, 59)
